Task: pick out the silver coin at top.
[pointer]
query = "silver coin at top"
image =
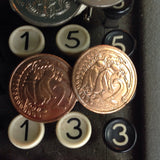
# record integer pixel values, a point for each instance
(100, 3)
(46, 13)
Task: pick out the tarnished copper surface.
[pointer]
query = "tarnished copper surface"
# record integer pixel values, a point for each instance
(40, 88)
(104, 79)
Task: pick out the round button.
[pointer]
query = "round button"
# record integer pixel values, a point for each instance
(25, 134)
(117, 11)
(73, 39)
(122, 40)
(73, 130)
(26, 41)
(120, 135)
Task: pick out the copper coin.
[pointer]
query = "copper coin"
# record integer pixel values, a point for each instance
(40, 88)
(104, 79)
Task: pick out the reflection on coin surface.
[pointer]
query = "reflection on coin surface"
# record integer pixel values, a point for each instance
(40, 88)
(45, 12)
(104, 79)
(100, 3)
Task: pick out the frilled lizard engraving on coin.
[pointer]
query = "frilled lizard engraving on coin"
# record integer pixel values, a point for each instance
(46, 12)
(40, 88)
(104, 79)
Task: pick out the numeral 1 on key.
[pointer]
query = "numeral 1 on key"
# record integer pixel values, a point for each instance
(25, 124)
(26, 36)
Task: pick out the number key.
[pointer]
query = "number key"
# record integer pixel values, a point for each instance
(117, 11)
(122, 40)
(25, 134)
(26, 41)
(73, 130)
(120, 135)
(73, 39)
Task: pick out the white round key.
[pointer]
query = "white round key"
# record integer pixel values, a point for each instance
(24, 133)
(73, 39)
(73, 130)
(26, 41)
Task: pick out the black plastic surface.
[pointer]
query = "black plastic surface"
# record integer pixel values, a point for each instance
(134, 112)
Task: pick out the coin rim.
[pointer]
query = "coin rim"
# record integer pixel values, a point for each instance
(111, 48)
(98, 4)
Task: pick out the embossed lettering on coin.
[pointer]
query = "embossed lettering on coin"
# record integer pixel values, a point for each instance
(40, 88)
(104, 79)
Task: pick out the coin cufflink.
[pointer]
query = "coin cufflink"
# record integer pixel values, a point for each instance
(25, 134)
(73, 39)
(46, 13)
(101, 3)
(73, 130)
(104, 79)
(26, 40)
(120, 135)
(40, 88)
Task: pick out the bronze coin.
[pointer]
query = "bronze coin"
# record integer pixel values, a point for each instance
(40, 88)
(104, 79)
